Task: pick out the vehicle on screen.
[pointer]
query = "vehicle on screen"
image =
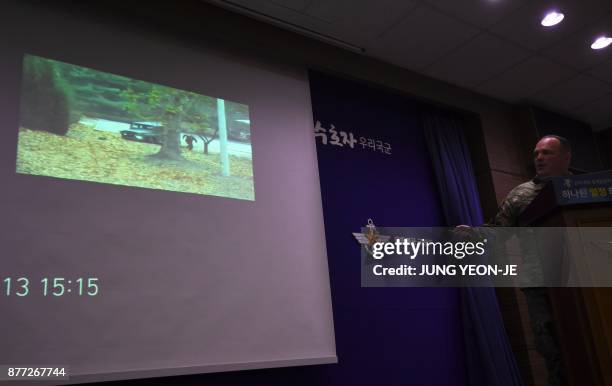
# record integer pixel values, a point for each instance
(150, 132)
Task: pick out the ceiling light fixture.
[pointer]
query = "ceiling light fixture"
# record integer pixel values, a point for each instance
(601, 42)
(552, 18)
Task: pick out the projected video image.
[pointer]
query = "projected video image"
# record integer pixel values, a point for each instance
(82, 124)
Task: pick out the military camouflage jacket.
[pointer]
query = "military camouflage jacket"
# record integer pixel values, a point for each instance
(508, 214)
(515, 203)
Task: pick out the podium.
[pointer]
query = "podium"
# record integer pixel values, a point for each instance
(583, 316)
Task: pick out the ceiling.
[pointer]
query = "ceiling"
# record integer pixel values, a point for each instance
(494, 47)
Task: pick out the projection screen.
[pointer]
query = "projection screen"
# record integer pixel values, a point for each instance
(160, 203)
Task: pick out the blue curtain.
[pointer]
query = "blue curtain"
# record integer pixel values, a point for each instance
(390, 336)
(489, 358)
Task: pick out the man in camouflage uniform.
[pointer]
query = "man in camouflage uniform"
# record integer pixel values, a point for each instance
(552, 156)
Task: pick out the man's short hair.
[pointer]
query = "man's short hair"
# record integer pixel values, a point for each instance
(565, 143)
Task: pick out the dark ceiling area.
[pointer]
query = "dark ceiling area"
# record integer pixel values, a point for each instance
(497, 48)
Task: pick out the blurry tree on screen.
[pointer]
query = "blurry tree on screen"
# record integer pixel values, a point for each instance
(207, 135)
(98, 94)
(205, 125)
(45, 97)
(173, 108)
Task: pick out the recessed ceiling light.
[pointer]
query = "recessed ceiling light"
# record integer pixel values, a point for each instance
(552, 18)
(601, 42)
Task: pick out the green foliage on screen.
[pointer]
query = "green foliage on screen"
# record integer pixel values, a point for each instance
(97, 94)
